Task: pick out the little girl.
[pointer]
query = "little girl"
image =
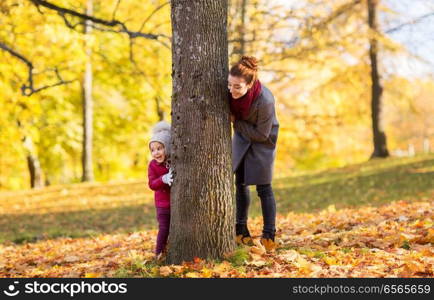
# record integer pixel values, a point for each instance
(160, 180)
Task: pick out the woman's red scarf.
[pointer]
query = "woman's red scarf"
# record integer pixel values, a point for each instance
(240, 107)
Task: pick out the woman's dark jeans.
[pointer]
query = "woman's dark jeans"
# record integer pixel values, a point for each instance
(268, 203)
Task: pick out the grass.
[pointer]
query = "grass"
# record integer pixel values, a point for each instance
(239, 257)
(138, 268)
(33, 227)
(374, 183)
(81, 210)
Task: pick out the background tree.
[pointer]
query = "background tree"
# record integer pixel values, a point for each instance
(87, 162)
(53, 116)
(379, 137)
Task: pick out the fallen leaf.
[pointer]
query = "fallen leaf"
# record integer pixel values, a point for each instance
(165, 271)
(192, 275)
(71, 258)
(207, 273)
(93, 275)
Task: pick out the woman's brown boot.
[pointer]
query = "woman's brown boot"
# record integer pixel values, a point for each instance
(243, 235)
(268, 242)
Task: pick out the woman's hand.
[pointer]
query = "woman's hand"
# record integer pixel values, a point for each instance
(232, 118)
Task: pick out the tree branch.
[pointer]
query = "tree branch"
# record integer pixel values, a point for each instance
(116, 9)
(108, 23)
(150, 16)
(412, 22)
(335, 14)
(28, 88)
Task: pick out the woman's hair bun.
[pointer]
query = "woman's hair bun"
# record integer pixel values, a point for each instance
(250, 62)
(247, 68)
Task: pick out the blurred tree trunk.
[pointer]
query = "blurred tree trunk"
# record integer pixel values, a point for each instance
(87, 104)
(379, 136)
(242, 30)
(202, 220)
(160, 111)
(33, 164)
(243, 27)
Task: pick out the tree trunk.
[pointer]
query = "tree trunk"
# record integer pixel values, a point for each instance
(243, 28)
(239, 29)
(379, 136)
(35, 170)
(87, 105)
(160, 112)
(202, 210)
(33, 164)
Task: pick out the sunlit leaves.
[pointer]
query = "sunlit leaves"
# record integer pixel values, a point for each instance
(125, 92)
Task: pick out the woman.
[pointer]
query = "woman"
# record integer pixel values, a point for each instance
(253, 147)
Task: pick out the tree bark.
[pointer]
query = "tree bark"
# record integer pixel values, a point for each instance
(87, 104)
(379, 136)
(202, 210)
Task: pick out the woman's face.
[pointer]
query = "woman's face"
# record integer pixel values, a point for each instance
(237, 86)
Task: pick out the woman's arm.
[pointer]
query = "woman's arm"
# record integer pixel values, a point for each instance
(260, 131)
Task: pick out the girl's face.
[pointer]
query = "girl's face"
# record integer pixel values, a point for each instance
(158, 152)
(238, 86)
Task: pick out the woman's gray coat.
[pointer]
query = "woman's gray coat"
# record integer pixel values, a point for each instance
(255, 140)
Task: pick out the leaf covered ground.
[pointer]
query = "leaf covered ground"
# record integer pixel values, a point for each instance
(373, 219)
(90, 209)
(393, 240)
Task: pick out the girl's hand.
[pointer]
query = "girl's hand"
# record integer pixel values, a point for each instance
(168, 178)
(232, 118)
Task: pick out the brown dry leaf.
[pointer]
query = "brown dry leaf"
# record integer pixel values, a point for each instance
(178, 269)
(72, 274)
(165, 271)
(222, 267)
(258, 248)
(303, 264)
(427, 252)
(257, 263)
(415, 266)
(290, 256)
(71, 258)
(430, 236)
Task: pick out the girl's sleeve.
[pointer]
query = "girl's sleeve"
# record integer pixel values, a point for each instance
(261, 131)
(155, 181)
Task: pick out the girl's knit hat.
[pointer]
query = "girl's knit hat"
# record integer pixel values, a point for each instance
(161, 134)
